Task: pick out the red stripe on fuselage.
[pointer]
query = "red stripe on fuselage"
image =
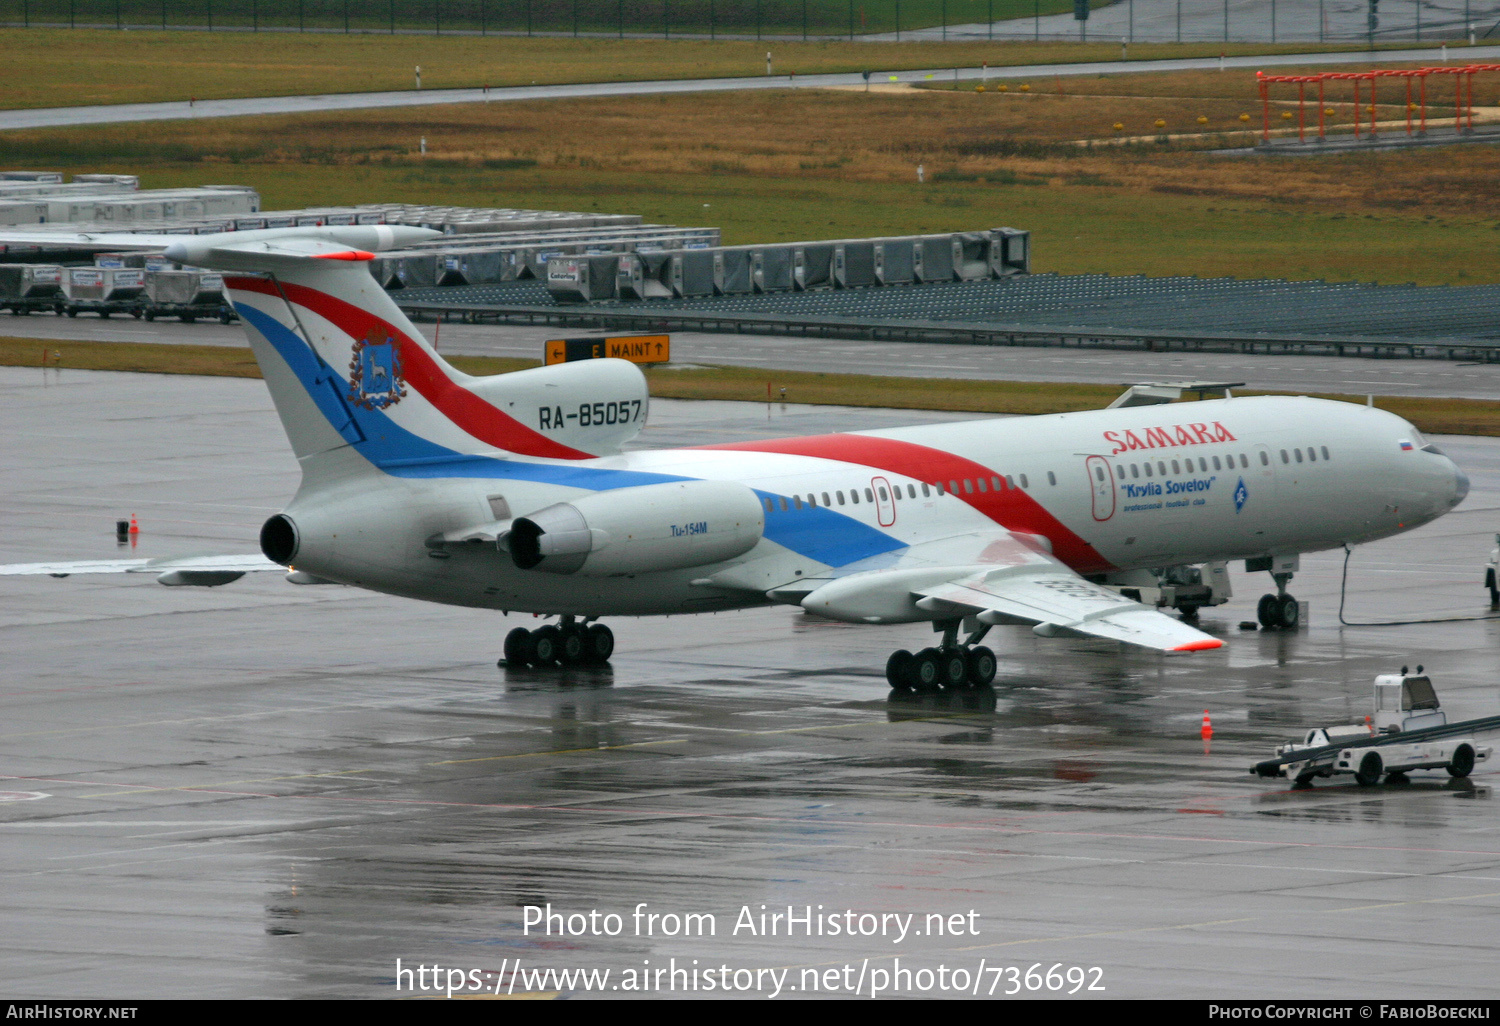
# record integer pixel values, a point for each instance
(1011, 508)
(422, 372)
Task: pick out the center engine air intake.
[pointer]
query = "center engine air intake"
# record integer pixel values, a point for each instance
(279, 539)
(639, 530)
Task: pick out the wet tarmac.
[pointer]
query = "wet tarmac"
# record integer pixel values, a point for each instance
(270, 790)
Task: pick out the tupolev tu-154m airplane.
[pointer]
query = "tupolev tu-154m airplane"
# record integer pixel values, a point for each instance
(511, 492)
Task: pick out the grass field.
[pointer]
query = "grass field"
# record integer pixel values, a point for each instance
(781, 166)
(840, 163)
(59, 67)
(746, 384)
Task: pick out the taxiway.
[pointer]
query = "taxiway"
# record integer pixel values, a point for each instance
(265, 789)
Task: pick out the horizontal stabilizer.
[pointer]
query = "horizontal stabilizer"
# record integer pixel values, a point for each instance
(273, 248)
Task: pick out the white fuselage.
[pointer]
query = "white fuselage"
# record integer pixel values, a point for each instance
(1104, 491)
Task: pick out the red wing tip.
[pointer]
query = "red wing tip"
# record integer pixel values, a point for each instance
(348, 254)
(1199, 646)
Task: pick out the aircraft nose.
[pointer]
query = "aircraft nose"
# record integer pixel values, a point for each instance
(1460, 486)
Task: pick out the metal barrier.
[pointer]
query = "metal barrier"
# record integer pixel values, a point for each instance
(802, 266)
(1186, 21)
(1180, 313)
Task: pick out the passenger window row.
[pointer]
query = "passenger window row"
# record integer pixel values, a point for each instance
(1312, 454)
(1185, 466)
(965, 486)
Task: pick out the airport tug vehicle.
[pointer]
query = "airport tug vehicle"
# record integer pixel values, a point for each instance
(1408, 731)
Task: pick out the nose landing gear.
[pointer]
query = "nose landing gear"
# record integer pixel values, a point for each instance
(1279, 611)
(567, 643)
(951, 665)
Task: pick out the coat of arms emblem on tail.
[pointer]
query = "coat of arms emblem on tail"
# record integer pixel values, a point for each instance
(375, 380)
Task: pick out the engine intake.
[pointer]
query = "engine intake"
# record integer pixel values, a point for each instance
(279, 539)
(639, 530)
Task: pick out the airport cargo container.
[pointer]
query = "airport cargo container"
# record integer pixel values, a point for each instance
(186, 295)
(103, 290)
(28, 287)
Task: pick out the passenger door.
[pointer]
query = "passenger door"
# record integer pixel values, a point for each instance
(1102, 485)
(885, 503)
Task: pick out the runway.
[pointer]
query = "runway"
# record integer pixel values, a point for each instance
(1288, 373)
(270, 790)
(52, 117)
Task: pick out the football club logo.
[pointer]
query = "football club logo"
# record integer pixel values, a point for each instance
(375, 380)
(1241, 494)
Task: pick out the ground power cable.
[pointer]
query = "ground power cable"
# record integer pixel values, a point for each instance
(1343, 591)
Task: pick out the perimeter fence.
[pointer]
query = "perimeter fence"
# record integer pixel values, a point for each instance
(811, 19)
(1127, 21)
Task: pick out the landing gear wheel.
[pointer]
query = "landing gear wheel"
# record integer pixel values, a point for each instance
(981, 666)
(1288, 612)
(546, 645)
(517, 648)
(1189, 613)
(953, 665)
(1462, 764)
(898, 670)
(598, 643)
(1370, 767)
(573, 646)
(926, 669)
(1268, 612)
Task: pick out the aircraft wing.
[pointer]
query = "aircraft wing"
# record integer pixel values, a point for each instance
(203, 571)
(1000, 578)
(121, 241)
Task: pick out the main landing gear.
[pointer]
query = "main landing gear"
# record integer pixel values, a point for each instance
(566, 643)
(950, 665)
(1279, 611)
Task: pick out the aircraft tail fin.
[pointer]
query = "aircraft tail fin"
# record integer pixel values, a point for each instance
(347, 368)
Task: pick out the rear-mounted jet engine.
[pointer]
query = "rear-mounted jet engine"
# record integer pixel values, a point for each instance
(640, 530)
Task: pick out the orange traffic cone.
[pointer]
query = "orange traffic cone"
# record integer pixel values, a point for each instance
(135, 528)
(1208, 727)
(1369, 724)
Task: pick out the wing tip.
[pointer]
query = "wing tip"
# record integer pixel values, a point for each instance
(1200, 646)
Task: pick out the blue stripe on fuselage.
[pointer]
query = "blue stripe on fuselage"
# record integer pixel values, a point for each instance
(823, 534)
(818, 533)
